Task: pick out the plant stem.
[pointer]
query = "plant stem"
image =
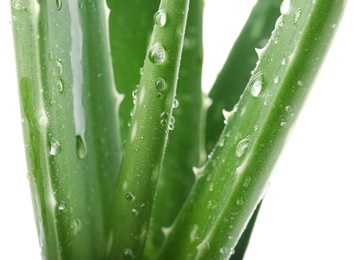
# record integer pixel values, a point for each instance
(146, 142)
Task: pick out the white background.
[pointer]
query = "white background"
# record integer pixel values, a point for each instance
(308, 210)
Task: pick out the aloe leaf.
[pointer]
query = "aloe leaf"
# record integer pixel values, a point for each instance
(236, 71)
(130, 24)
(233, 79)
(236, 176)
(239, 251)
(69, 122)
(150, 124)
(182, 152)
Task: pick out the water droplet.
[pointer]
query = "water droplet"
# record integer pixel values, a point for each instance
(160, 18)
(59, 4)
(43, 120)
(276, 40)
(60, 67)
(205, 245)
(62, 206)
(283, 123)
(247, 182)
(141, 71)
(175, 103)
(135, 93)
(53, 72)
(285, 7)
(297, 15)
(55, 148)
(276, 79)
(60, 85)
(76, 226)
(17, 5)
(223, 250)
(129, 196)
(239, 201)
(256, 84)
(171, 127)
(288, 108)
(300, 83)
(50, 56)
(158, 94)
(128, 254)
(134, 212)
(81, 149)
(279, 22)
(164, 118)
(283, 61)
(242, 147)
(160, 84)
(157, 54)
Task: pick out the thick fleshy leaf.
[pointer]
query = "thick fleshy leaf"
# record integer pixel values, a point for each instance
(69, 121)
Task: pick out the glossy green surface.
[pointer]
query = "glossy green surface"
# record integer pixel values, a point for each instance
(130, 25)
(236, 71)
(147, 137)
(236, 176)
(182, 152)
(69, 121)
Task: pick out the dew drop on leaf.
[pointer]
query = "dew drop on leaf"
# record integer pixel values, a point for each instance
(59, 66)
(134, 212)
(59, 4)
(175, 103)
(276, 79)
(297, 16)
(160, 18)
(135, 93)
(55, 147)
(242, 147)
(128, 254)
(160, 84)
(129, 196)
(283, 61)
(17, 5)
(43, 120)
(256, 84)
(81, 149)
(62, 206)
(60, 85)
(247, 182)
(157, 54)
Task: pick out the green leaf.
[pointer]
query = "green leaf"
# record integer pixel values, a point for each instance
(150, 124)
(130, 24)
(69, 120)
(236, 176)
(182, 151)
(236, 71)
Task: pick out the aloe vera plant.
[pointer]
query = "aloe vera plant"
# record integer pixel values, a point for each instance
(101, 175)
